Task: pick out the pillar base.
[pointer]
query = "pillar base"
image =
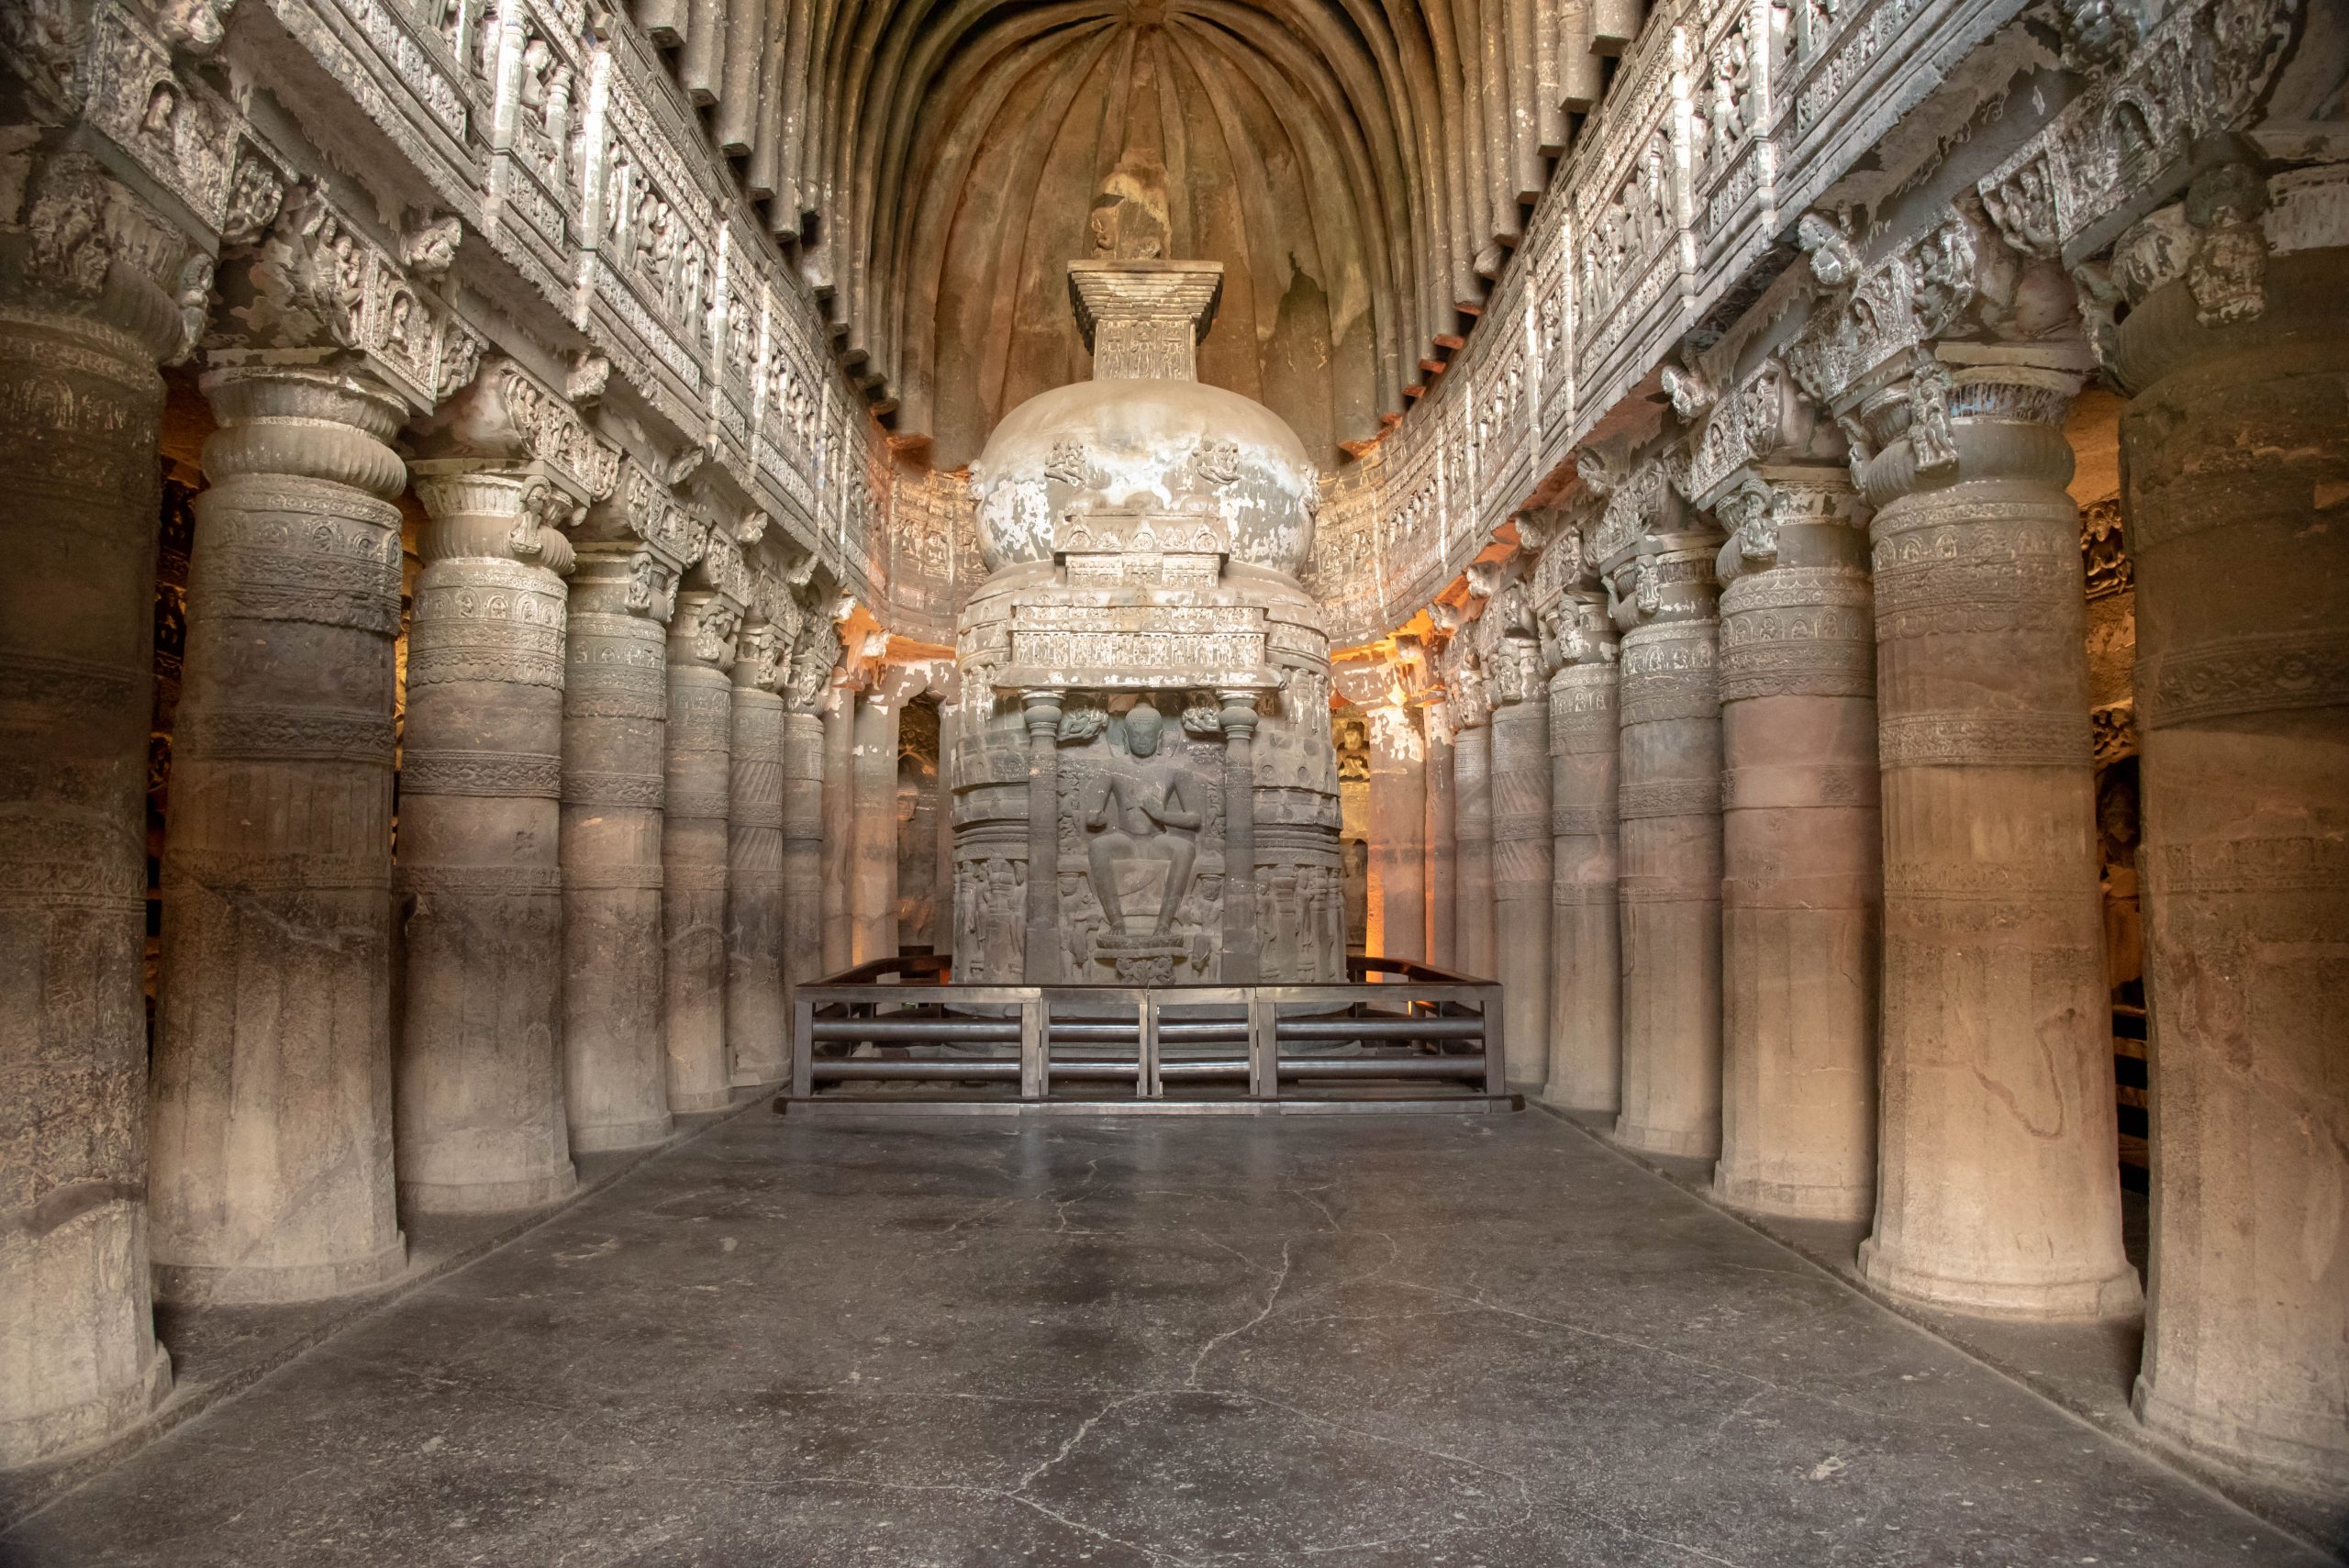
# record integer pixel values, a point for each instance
(781, 1074)
(697, 1104)
(59, 1434)
(202, 1285)
(1563, 1103)
(2116, 1295)
(488, 1197)
(2317, 1470)
(1698, 1145)
(624, 1135)
(1793, 1200)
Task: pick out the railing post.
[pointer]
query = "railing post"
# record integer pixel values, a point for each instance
(1263, 1047)
(1146, 1083)
(1035, 1074)
(803, 1049)
(1495, 1045)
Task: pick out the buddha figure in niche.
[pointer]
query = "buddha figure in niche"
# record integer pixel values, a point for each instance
(1139, 821)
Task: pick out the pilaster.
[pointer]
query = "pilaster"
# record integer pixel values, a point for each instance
(482, 1119)
(1521, 855)
(85, 315)
(694, 847)
(1585, 977)
(277, 897)
(2236, 346)
(755, 1025)
(615, 718)
(1657, 561)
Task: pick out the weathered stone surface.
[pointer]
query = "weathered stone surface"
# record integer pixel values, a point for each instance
(615, 712)
(272, 1088)
(1472, 804)
(1801, 857)
(481, 1116)
(693, 849)
(2233, 447)
(79, 406)
(1399, 850)
(755, 1025)
(1586, 975)
(1997, 1189)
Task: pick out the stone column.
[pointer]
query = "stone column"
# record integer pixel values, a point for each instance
(1398, 816)
(1042, 712)
(1443, 871)
(80, 405)
(1801, 865)
(693, 849)
(1997, 1184)
(1241, 941)
(1668, 807)
(872, 871)
(755, 1022)
(615, 712)
(1587, 977)
(839, 824)
(480, 1117)
(802, 825)
(273, 1095)
(1520, 854)
(2233, 455)
(1472, 761)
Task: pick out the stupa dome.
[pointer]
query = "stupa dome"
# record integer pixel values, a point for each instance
(1155, 446)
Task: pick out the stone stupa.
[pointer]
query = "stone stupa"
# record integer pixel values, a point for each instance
(1144, 787)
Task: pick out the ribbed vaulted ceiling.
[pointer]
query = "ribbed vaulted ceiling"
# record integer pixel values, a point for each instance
(1354, 164)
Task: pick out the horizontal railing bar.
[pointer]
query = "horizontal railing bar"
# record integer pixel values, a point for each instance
(1381, 1029)
(1414, 1066)
(974, 1030)
(834, 1069)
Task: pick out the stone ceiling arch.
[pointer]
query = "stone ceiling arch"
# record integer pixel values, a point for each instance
(1354, 164)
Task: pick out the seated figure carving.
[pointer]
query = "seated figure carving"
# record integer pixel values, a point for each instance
(1137, 816)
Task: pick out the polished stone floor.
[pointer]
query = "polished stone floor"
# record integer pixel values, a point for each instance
(1418, 1340)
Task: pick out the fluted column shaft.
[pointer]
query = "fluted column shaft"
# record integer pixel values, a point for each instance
(1443, 841)
(272, 1178)
(1041, 712)
(1521, 871)
(803, 853)
(1801, 866)
(839, 825)
(1472, 801)
(1586, 979)
(2243, 703)
(693, 851)
(79, 405)
(481, 1118)
(873, 868)
(1668, 801)
(1398, 851)
(615, 712)
(1997, 1184)
(754, 1015)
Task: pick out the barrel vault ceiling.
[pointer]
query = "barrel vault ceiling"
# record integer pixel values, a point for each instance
(1360, 168)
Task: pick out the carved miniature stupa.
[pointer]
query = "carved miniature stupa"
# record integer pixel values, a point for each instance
(1151, 796)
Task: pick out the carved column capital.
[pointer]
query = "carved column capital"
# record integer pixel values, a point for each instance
(303, 423)
(1042, 709)
(318, 289)
(90, 250)
(1969, 411)
(488, 508)
(703, 630)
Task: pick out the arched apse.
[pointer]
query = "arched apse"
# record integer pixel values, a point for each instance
(1359, 167)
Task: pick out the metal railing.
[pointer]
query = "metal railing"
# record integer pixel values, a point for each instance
(1414, 1037)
